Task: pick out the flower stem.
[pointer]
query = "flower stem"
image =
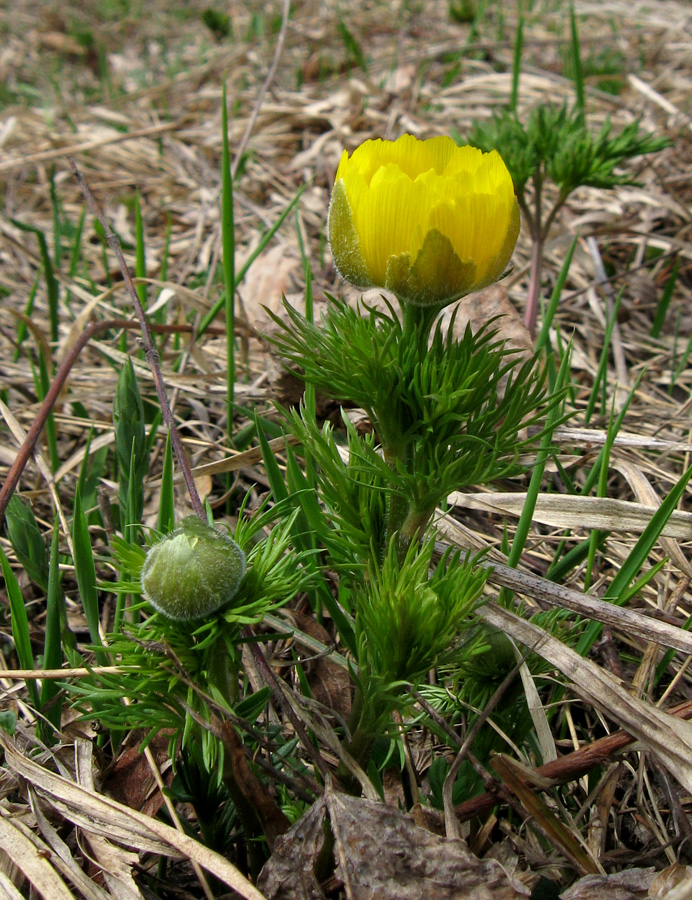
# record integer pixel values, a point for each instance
(404, 522)
(417, 322)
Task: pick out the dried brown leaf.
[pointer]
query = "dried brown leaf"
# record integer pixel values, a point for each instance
(380, 852)
(32, 856)
(330, 683)
(631, 885)
(103, 816)
(574, 511)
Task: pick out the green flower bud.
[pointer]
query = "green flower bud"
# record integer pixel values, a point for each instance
(193, 571)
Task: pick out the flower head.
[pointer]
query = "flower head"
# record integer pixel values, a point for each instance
(193, 571)
(428, 220)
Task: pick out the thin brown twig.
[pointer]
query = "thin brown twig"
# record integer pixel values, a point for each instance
(150, 350)
(59, 380)
(49, 401)
(263, 90)
(451, 821)
(277, 693)
(569, 767)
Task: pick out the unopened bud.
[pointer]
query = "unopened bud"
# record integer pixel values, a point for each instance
(193, 571)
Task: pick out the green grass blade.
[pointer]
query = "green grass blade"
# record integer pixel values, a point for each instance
(76, 251)
(130, 442)
(595, 536)
(553, 419)
(313, 520)
(228, 255)
(580, 98)
(28, 310)
(562, 565)
(544, 334)
(165, 521)
(160, 315)
(321, 595)
(594, 474)
(27, 541)
(52, 643)
(679, 367)
(664, 302)
(601, 374)
(516, 63)
(242, 272)
(90, 473)
(617, 591)
(85, 572)
(353, 51)
(50, 430)
(135, 500)
(20, 626)
(57, 220)
(52, 290)
(140, 252)
(276, 479)
(310, 316)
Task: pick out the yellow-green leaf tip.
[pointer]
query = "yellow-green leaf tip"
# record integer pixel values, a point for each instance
(194, 571)
(428, 220)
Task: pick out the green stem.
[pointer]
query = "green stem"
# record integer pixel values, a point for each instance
(249, 821)
(404, 522)
(415, 523)
(417, 322)
(363, 715)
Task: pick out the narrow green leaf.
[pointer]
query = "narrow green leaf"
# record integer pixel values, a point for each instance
(85, 571)
(276, 479)
(312, 521)
(52, 289)
(580, 100)
(28, 310)
(617, 591)
(516, 63)
(57, 220)
(261, 246)
(27, 540)
(20, 626)
(310, 316)
(130, 442)
(321, 594)
(602, 373)
(228, 255)
(50, 430)
(544, 334)
(52, 643)
(163, 275)
(166, 518)
(594, 537)
(352, 46)
(91, 471)
(128, 416)
(664, 302)
(553, 419)
(135, 501)
(76, 251)
(140, 252)
(593, 475)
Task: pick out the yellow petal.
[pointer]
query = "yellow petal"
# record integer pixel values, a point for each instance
(408, 200)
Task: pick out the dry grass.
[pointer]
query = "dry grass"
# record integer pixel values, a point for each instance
(132, 92)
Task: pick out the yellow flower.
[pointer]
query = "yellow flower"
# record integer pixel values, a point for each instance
(428, 220)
